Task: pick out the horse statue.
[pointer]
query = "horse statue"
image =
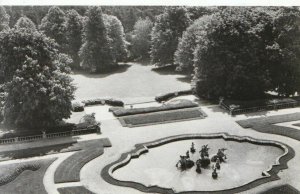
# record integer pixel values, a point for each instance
(184, 163)
(220, 155)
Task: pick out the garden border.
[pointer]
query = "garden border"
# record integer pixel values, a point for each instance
(270, 174)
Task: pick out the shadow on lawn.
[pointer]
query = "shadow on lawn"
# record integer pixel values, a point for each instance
(115, 70)
(167, 70)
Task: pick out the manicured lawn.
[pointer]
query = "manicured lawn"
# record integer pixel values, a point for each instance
(74, 190)
(28, 182)
(39, 151)
(161, 117)
(134, 82)
(69, 170)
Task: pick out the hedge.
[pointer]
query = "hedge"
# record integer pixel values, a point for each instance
(182, 104)
(96, 101)
(168, 96)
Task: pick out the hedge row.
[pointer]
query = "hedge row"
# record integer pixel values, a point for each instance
(16, 172)
(168, 96)
(182, 104)
(79, 106)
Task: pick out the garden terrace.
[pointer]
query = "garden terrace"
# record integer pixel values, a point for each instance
(28, 181)
(162, 177)
(169, 106)
(235, 107)
(162, 117)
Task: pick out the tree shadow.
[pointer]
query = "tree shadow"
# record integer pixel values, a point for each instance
(185, 79)
(121, 68)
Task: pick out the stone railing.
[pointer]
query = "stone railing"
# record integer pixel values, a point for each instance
(88, 130)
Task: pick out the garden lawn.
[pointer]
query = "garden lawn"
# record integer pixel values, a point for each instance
(135, 83)
(28, 182)
(162, 117)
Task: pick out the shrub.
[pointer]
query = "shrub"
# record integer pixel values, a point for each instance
(77, 106)
(168, 96)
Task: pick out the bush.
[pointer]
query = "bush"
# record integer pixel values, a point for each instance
(77, 107)
(177, 105)
(168, 96)
(111, 102)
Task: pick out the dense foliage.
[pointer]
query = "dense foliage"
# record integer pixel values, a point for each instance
(243, 52)
(4, 19)
(38, 90)
(96, 51)
(54, 26)
(167, 30)
(141, 38)
(74, 26)
(116, 34)
(25, 22)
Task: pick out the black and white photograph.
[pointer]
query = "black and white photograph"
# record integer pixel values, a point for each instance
(101, 97)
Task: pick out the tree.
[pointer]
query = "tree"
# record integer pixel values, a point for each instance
(167, 30)
(244, 52)
(17, 44)
(230, 56)
(74, 28)
(4, 19)
(141, 38)
(116, 34)
(54, 26)
(37, 85)
(96, 52)
(25, 22)
(184, 55)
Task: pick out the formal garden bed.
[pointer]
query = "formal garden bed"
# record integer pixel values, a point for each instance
(178, 104)
(74, 190)
(69, 170)
(151, 166)
(267, 125)
(28, 181)
(162, 117)
(235, 107)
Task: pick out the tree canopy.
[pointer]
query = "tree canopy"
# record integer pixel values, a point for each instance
(25, 22)
(4, 19)
(74, 27)
(38, 89)
(96, 51)
(241, 52)
(141, 38)
(168, 28)
(54, 26)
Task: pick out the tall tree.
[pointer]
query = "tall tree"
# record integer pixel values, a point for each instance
(4, 19)
(74, 27)
(116, 34)
(184, 55)
(244, 52)
(96, 52)
(25, 22)
(167, 30)
(38, 87)
(141, 38)
(54, 26)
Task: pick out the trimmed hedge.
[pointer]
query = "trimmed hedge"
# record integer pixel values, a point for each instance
(182, 104)
(111, 102)
(168, 96)
(77, 107)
